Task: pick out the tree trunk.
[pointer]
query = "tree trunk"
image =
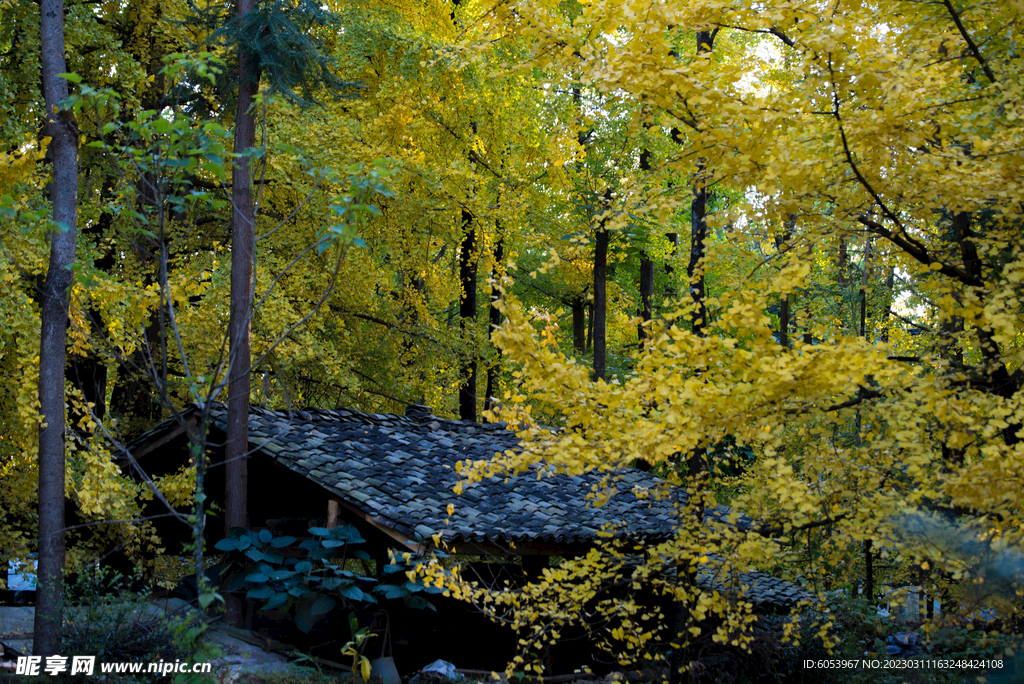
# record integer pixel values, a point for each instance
(590, 327)
(864, 287)
(236, 473)
(673, 239)
(1005, 385)
(781, 242)
(54, 301)
(699, 223)
(890, 285)
(600, 313)
(579, 323)
(646, 298)
(467, 313)
(646, 274)
(696, 462)
(494, 370)
(698, 240)
(784, 321)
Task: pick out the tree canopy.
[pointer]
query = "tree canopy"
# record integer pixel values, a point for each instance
(789, 230)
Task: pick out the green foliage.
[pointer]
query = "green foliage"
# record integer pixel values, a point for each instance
(863, 634)
(311, 576)
(105, 619)
(280, 36)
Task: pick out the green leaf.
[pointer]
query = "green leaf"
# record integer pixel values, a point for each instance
(273, 556)
(391, 591)
(281, 542)
(276, 601)
(352, 592)
(282, 574)
(265, 536)
(74, 78)
(263, 592)
(304, 619)
(322, 605)
(207, 598)
(226, 545)
(419, 603)
(256, 577)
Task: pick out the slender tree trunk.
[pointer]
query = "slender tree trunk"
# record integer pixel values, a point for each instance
(590, 327)
(54, 301)
(698, 240)
(699, 223)
(467, 313)
(673, 239)
(494, 370)
(243, 240)
(600, 314)
(864, 288)
(781, 242)
(646, 298)
(843, 262)
(808, 336)
(646, 274)
(890, 285)
(579, 323)
(784, 321)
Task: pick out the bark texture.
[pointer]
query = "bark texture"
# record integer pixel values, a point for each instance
(494, 317)
(467, 314)
(62, 128)
(600, 314)
(242, 248)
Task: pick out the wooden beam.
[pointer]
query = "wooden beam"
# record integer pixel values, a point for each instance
(403, 541)
(173, 434)
(525, 548)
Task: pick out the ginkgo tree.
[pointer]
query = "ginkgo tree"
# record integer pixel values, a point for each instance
(373, 331)
(883, 134)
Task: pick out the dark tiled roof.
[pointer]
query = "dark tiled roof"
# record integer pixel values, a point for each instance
(760, 588)
(401, 471)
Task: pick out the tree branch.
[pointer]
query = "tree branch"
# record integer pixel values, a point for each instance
(773, 31)
(778, 530)
(970, 43)
(918, 251)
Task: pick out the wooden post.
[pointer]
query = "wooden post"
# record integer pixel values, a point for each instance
(333, 509)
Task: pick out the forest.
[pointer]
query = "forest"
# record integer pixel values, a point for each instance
(768, 251)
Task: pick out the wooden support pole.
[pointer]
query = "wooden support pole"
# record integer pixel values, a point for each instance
(333, 509)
